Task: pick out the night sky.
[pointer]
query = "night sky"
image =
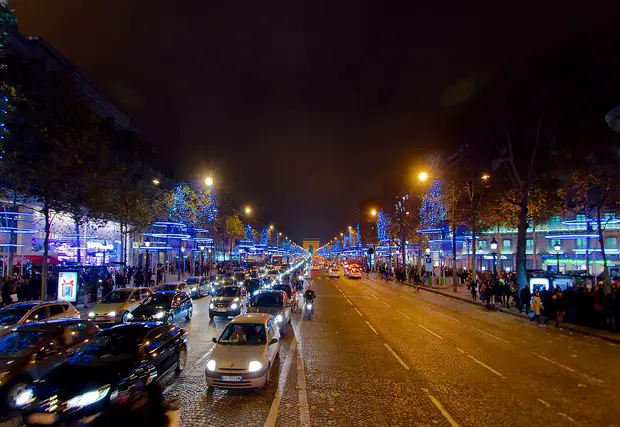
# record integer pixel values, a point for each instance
(302, 108)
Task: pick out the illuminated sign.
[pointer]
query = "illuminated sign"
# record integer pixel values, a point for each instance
(100, 246)
(67, 286)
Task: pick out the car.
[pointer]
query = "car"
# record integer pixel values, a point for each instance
(355, 273)
(110, 376)
(252, 286)
(198, 286)
(229, 301)
(284, 287)
(244, 353)
(273, 274)
(20, 313)
(175, 286)
(164, 306)
(115, 306)
(276, 303)
(334, 272)
(29, 351)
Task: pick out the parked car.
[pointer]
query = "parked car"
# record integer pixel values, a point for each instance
(175, 286)
(244, 353)
(115, 307)
(164, 306)
(34, 311)
(276, 303)
(229, 301)
(29, 351)
(110, 376)
(198, 286)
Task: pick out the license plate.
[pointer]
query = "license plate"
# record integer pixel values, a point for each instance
(42, 418)
(220, 309)
(103, 319)
(231, 378)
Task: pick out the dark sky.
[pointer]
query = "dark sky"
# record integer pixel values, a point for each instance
(302, 108)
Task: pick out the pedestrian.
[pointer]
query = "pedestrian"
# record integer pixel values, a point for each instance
(560, 308)
(537, 307)
(526, 296)
(473, 290)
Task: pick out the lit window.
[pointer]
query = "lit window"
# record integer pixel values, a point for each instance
(506, 243)
(611, 243)
(529, 244)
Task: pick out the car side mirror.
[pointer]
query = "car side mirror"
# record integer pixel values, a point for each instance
(214, 340)
(273, 341)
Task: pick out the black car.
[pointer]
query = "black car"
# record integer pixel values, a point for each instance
(275, 303)
(284, 287)
(29, 351)
(252, 286)
(164, 306)
(109, 376)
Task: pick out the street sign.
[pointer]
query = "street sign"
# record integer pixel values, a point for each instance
(429, 260)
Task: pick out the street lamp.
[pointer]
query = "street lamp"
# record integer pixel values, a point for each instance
(494, 253)
(341, 234)
(209, 181)
(156, 181)
(557, 248)
(373, 212)
(350, 228)
(423, 176)
(271, 227)
(485, 177)
(248, 210)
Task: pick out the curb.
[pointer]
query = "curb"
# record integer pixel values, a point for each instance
(567, 326)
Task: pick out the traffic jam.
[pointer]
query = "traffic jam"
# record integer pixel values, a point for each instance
(106, 364)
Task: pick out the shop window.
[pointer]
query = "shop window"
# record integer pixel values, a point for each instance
(506, 243)
(529, 244)
(611, 243)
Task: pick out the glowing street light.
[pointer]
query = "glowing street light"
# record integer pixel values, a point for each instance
(350, 228)
(248, 210)
(155, 181)
(209, 181)
(341, 234)
(423, 176)
(373, 212)
(485, 177)
(271, 227)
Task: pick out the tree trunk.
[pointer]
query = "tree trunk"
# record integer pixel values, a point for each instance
(46, 245)
(601, 241)
(521, 238)
(454, 277)
(77, 238)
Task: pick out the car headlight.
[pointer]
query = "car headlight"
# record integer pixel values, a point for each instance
(279, 318)
(129, 316)
(112, 314)
(254, 366)
(211, 365)
(256, 292)
(300, 277)
(24, 398)
(233, 306)
(91, 314)
(194, 288)
(88, 398)
(236, 299)
(159, 315)
(211, 306)
(309, 306)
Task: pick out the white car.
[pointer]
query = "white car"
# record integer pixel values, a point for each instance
(334, 272)
(355, 273)
(245, 352)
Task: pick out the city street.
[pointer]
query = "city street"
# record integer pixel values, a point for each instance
(382, 354)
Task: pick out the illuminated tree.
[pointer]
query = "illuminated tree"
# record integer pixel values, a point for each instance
(433, 209)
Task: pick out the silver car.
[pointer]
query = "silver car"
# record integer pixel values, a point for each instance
(115, 307)
(229, 301)
(245, 353)
(34, 311)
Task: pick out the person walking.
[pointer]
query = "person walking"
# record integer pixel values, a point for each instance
(537, 307)
(560, 308)
(526, 296)
(473, 290)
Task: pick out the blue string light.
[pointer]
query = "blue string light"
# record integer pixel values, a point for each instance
(383, 226)
(433, 209)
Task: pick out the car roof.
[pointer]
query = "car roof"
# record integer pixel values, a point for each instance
(252, 318)
(135, 326)
(50, 324)
(166, 292)
(174, 283)
(32, 304)
(270, 291)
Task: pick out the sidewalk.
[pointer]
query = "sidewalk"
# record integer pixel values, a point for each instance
(463, 294)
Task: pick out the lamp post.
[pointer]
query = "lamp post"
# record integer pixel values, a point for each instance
(557, 248)
(181, 263)
(427, 251)
(494, 253)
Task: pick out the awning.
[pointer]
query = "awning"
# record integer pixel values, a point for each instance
(37, 260)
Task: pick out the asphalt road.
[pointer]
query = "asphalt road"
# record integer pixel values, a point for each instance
(382, 354)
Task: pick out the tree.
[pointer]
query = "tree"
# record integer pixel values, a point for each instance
(234, 230)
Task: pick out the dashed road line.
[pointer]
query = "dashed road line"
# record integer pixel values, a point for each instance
(547, 404)
(304, 410)
(462, 351)
(403, 314)
(491, 335)
(568, 368)
(566, 416)
(275, 405)
(350, 303)
(385, 303)
(439, 406)
(430, 332)
(484, 365)
(358, 312)
(370, 326)
(445, 315)
(396, 356)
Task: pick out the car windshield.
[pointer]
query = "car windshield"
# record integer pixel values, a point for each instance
(268, 300)
(116, 297)
(19, 343)
(282, 288)
(193, 280)
(113, 345)
(159, 300)
(230, 291)
(11, 315)
(243, 334)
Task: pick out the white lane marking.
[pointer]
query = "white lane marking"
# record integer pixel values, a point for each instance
(462, 351)
(439, 406)
(403, 314)
(370, 326)
(484, 365)
(304, 410)
(349, 301)
(547, 404)
(566, 416)
(359, 312)
(396, 356)
(491, 335)
(385, 303)
(567, 368)
(429, 331)
(445, 315)
(275, 405)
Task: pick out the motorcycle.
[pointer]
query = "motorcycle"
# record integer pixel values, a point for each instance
(309, 309)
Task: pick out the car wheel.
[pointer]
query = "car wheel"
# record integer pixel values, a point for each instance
(189, 313)
(267, 377)
(124, 317)
(182, 359)
(169, 319)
